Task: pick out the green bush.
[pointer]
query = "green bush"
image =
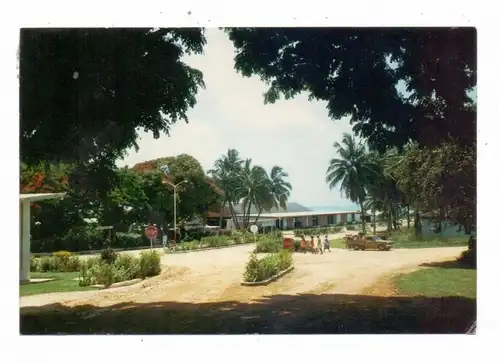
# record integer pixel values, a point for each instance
(129, 266)
(468, 258)
(129, 240)
(34, 264)
(268, 246)
(103, 274)
(216, 241)
(47, 264)
(109, 256)
(258, 270)
(149, 262)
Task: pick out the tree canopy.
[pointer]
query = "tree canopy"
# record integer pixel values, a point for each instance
(84, 93)
(360, 72)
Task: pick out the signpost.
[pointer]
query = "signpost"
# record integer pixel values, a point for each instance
(151, 232)
(254, 229)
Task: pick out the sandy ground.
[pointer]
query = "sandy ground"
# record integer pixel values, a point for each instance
(215, 275)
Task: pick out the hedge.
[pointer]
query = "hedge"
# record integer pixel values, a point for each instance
(258, 270)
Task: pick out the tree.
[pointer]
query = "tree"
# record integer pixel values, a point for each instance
(253, 188)
(352, 171)
(359, 72)
(84, 93)
(196, 196)
(225, 173)
(280, 188)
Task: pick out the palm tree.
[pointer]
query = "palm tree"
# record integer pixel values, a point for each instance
(280, 188)
(225, 173)
(253, 188)
(352, 170)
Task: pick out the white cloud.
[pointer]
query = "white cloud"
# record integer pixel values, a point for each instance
(230, 113)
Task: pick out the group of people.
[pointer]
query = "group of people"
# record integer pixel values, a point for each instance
(315, 245)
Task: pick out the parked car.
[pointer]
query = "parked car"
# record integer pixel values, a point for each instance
(361, 243)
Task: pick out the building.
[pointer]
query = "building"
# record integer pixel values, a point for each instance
(308, 219)
(430, 228)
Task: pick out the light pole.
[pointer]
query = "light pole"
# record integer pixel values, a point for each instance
(175, 205)
(279, 218)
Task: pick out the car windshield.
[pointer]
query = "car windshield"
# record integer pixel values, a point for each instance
(376, 238)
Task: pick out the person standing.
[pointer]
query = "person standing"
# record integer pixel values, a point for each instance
(326, 245)
(313, 245)
(319, 244)
(303, 245)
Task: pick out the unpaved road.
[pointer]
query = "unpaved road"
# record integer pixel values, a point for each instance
(215, 275)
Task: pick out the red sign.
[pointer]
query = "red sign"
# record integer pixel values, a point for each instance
(151, 231)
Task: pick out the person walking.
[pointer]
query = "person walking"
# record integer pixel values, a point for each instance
(313, 246)
(320, 245)
(303, 244)
(326, 245)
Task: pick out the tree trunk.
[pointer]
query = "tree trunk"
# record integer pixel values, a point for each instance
(247, 219)
(258, 215)
(374, 221)
(221, 213)
(233, 215)
(418, 225)
(363, 223)
(389, 219)
(408, 215)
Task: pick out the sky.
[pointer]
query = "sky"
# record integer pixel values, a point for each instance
(295, 134)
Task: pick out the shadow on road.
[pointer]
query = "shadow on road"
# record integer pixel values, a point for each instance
(278, 314)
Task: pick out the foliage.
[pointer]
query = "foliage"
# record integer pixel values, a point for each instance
(441, 180)
(353, 171)
(86, 92)
(360, 73)
(109, 256)
(149, 262)
(61, 261)
(124, 267)
(268, 246)
(262, 269)
(249, 185)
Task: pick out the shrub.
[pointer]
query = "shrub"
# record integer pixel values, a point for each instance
(33, 264)
(262, 269)
(129, 266)
(350, 227)
(216, 241)
(129, 240)
(468, 258)
(85, 279)
(102, 273)
(268, 246)
(285, 260)
(149, 262)
(109, 256)
(47, 264)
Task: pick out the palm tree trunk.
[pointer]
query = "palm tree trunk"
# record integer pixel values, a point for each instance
(363, 223)
(221, 213)
(247, 219)
(258, 215)
(233, 215)
(408, 215)
(374, 221)
(389, 218)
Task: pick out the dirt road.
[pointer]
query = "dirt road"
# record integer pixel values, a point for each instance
(215, 275)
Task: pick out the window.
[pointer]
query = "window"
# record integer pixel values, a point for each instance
(315, 220)
(330, 219)
(353, 217)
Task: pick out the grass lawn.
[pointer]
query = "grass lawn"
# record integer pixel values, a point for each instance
(450, 280)
(64, 282)
(407, 239)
